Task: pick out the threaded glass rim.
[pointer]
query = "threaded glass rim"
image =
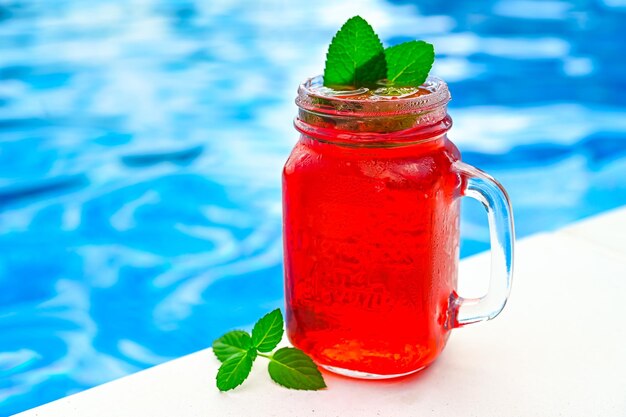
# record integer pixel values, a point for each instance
(310, 98)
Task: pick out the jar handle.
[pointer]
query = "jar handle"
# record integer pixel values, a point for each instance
(482, 187)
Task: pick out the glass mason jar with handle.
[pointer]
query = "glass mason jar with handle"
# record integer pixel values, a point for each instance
(371, 231)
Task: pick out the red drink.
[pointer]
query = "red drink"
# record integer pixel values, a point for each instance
(371, 234)
(373, 246)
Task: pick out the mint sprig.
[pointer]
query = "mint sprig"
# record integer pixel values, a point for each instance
(289, 367)
(356, 59)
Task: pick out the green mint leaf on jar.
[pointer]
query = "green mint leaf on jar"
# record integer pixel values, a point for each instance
(230, 344)
(268, 331)
(409, 63)
(356, 57)
(292, 368)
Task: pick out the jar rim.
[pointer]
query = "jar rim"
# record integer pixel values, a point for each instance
(311, 99)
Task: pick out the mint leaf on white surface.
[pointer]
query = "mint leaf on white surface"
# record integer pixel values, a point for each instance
(234, 370)
(268, 331)
(292, 368)
(231, 343)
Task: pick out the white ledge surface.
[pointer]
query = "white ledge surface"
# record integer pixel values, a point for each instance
(558, 349)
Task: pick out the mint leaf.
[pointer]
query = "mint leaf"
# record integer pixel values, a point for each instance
(408, 63)
(355, 57)
(268, 331)
(292, 368)
(232, 343)
(234, 370)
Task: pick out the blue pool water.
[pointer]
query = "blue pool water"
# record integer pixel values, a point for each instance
(141, 144)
